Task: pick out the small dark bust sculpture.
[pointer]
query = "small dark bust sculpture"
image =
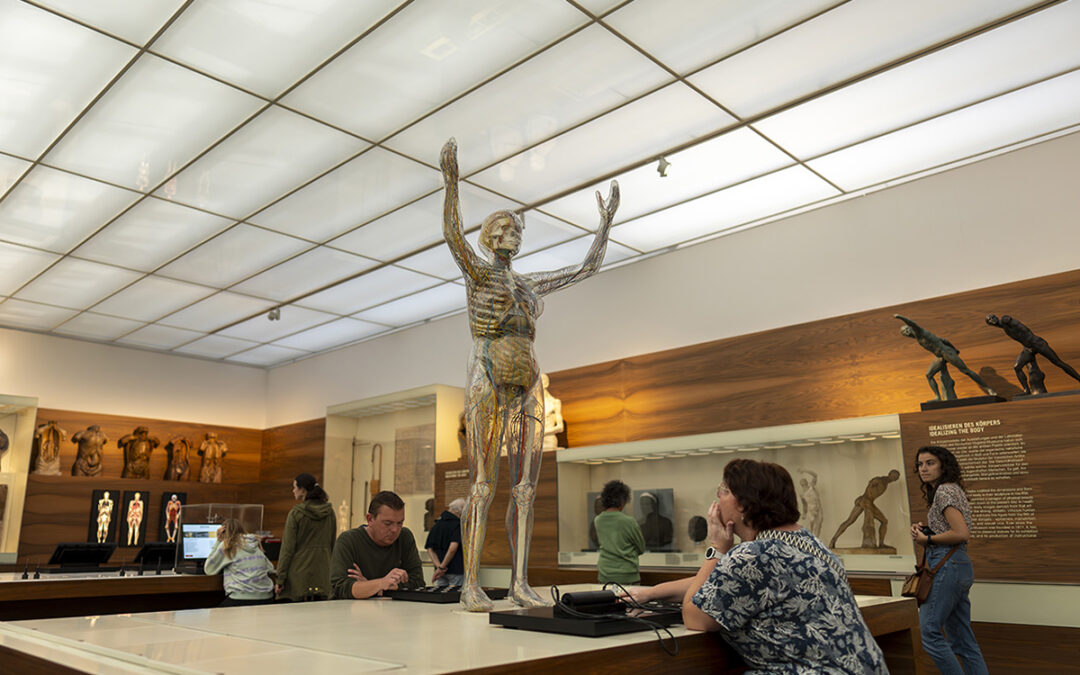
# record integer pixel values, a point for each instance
(1034, 346)
(137, 447)
(89, 441)
(179, 465)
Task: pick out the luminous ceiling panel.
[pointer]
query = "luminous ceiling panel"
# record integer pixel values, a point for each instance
(19, 264)
(364, 188)
(572, 253)
(97, 327)
(261, 329)
(32, 315)
(330, 335)
(215, 347)
(371, 289)
(418, 306)
(233, 256)
(673, 115)
(151, 298)
(157, 118)
(76, 283)
(810, 57)
(50, 69)
(597, 72)
(437, 262)
(55, 210)
(266, 355)
(777, 192)
(422, 57)
(732, 157)
(306, 272)
(973, 70)
(217, 311)
(275, 152)
(10, 170)
(134, 21)
(687, 35)
(266, 46)
(151, 233)
(1008, 119)
(156, 336)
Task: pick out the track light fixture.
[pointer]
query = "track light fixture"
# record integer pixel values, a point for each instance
(662, 166)
(274, 314)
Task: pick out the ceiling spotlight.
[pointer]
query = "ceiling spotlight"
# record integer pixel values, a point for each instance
(274, 314)
(662, 166)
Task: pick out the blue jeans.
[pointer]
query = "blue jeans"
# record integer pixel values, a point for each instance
(949, 608)
(449, 580)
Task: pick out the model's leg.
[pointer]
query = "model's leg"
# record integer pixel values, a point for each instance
(880, 517)
(958, 623)
(485, 424)
(962, 367)
(1026, 357)
(943, 598)
(524, 440)
(936, 367)
(1053, 358)
(844, 525)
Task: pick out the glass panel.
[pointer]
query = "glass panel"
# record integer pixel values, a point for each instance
(266, 46)
(418, 306)
(150, 123)
(217, 311)
(20, 314)
(967, 72)
(54, 210)
(596, 71)
(371, 289)
(362, 189)
(261, 329)
(273, 153)
(727, 159)
(570, 253)
(1008, 119)
(97, 327)
(777, 192)
(234, 255)
(10, 170)
(49, 70)
(674, 115)
(437, 262)
(76, 283)
(152, 298)
(267, 355)
(19, 265)
(810, 57)
(424, 56)
(331, 335)
(135, 21)
(153, 232)
(215, 346)
(303, 273)
(159, 337)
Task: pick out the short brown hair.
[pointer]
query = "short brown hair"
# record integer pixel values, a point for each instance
(765, 492)
(385, 498)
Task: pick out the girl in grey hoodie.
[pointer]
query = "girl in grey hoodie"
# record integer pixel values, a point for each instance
(246, 569)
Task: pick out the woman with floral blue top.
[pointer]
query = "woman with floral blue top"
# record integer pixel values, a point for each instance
(780, 598)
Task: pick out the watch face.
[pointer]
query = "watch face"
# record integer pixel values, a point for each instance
(710, 553)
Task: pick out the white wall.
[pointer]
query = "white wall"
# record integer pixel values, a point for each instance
(1004, 219)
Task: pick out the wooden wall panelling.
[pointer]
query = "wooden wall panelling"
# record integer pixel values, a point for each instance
(286, 451)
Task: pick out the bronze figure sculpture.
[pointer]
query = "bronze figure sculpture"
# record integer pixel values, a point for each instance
(946, 355)
(137, 447)
(504, 399)
(89, 442)
(49, 436)
(864, 505)
(1033, 346)
(179, 466)
(212, 452)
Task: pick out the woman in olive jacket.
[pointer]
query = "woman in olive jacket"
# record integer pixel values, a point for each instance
(310, 531)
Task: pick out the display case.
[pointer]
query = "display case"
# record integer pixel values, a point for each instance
(847, 473)
(249, 515)
(18, 415)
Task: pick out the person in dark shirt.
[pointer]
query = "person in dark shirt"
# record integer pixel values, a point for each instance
(444, 546)
(376, 557)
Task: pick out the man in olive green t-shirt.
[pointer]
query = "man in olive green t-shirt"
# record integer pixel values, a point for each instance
(619, 535)
(380, 556)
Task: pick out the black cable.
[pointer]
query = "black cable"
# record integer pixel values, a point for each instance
(656, 628)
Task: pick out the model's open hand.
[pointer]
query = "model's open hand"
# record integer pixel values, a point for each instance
(448, 161)
(721, 535)
(608, 208)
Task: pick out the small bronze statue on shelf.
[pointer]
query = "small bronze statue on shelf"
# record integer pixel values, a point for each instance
(212, 452)
(89, 442)
(946, 355)
(137, 447)
(48, 437)
(179, 466)
(1033, 346)
(864, 505)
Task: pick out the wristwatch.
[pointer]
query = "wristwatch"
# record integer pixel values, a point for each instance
(929, 540)
(712, 554)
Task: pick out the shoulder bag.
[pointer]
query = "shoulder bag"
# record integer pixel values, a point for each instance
(918, 584)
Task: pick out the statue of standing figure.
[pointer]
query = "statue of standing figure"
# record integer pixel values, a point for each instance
(49, 436)
(172, 518)
(212, 452)
(946, 355)
(137, 447)
(1033, 346)
(810, 501)
(553, 419)
(104, 517)
(504, 398)
(89, 441)
(134, 519)
(864, 505)
(179, 466)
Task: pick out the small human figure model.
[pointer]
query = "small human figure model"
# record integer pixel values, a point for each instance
(658, 529)
(137, 447)
(810, 501)
(49, 436)
(461, 431)
(864, 505)
(429, 513)
(212, 452)
(104, 517)
(89, 441)
(134, 519)
(172, 517)
(179, 466)
(946, 355)
(553, 419)
(1033, 346)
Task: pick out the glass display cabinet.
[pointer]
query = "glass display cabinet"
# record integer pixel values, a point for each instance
(18, 415)
(838, 467)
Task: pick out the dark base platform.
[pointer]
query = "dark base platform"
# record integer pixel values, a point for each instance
(439, 594)
(1049, 394)
(543, 619)
(961, 402)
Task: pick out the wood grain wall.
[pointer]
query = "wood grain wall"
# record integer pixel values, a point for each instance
(286, 451)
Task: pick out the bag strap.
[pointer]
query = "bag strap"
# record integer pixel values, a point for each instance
(943, 560)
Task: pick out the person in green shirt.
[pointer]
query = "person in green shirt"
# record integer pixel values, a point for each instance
(621, 541)
(376, 557)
